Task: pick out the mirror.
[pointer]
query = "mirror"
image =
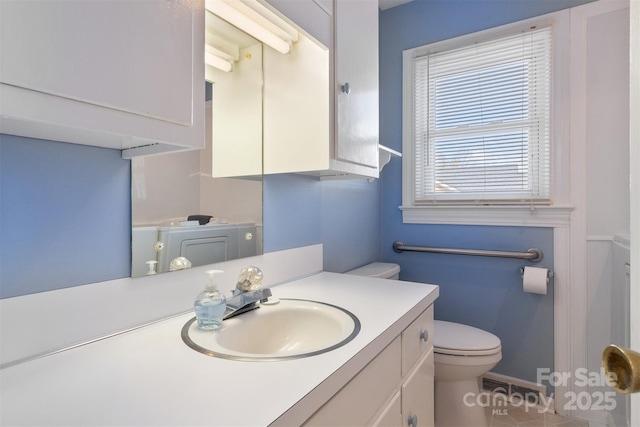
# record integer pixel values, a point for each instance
(202, 207)
(206, 206)
(166, 190)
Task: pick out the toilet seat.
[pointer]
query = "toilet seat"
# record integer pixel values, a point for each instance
(456, 339)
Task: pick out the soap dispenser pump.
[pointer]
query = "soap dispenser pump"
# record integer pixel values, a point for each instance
(210, 304)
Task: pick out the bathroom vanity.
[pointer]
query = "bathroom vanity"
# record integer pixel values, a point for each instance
(399, 380)
(148, 376)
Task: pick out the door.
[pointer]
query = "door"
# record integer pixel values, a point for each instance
(634, 137)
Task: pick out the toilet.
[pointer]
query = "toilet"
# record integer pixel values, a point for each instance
(382, 270)
(462, 355)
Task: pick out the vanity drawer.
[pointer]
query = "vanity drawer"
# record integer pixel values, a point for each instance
(417, 339)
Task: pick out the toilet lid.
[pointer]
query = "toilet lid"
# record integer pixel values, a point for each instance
(383, 270)
(458, 339)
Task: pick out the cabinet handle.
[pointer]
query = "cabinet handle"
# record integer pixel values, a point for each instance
(413, 421)
(346, 88)
(424, 336)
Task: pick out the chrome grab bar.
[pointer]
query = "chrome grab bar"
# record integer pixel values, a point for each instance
(533, 254)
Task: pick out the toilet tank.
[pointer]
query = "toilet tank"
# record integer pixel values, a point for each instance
(383, 270)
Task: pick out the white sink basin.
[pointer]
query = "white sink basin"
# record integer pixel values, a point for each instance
(286, 330)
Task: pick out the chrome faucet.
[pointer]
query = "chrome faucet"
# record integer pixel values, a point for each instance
(247, 292)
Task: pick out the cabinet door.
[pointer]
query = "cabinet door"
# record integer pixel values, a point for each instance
(391, 416)
(417, 394)
(356, 65)
(115, 61)
(359, 401)
(118, 54)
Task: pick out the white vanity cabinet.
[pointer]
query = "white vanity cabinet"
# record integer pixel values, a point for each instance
(350, 29)
(383, 376)
(127, 75)
(418, 371)
(394, 389)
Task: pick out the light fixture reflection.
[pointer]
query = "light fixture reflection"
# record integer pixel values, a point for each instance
(218, 63)
(253, 23)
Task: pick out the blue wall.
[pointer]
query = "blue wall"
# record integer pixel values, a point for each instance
(343, 215)
(65, 215)
(483, 292)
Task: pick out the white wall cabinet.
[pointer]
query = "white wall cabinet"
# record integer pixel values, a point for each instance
(399, 380)
(127, 75)
(356, 81)
(350, 29)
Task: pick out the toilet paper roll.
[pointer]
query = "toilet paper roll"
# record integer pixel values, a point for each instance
(535, 280)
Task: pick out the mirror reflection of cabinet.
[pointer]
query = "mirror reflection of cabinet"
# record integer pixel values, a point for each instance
(235, 108)
(89, 73)
(285, 102)
(167, 189)
(312, 16)
(296, 108)
(307, 126)
(352, 145)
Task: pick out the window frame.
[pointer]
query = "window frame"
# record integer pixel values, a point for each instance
(554, 213)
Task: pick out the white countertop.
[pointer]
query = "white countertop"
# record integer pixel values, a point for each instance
(148, 376)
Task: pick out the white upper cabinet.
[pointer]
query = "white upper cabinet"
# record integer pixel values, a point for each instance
(356, 71)
(119, 74)
(349, 146)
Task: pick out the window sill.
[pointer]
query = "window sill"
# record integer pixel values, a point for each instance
(518, 216)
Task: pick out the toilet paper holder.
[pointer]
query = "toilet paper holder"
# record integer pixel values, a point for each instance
(549, 273)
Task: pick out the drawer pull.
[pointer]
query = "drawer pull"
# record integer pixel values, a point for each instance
(424, 336)
(413, 421)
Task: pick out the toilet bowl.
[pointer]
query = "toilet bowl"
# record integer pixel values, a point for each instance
(462, 354)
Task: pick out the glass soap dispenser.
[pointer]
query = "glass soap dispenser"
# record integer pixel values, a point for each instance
(210, 304)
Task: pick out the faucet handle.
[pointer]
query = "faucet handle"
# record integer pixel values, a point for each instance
(179, 263)
(250, 279)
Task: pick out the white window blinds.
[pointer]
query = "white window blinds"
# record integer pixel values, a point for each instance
(482, 121)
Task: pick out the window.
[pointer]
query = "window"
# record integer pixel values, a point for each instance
(479, 127)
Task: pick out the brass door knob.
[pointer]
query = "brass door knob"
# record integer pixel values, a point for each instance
(622, 367)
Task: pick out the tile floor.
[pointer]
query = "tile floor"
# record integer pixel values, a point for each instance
(520, 416)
